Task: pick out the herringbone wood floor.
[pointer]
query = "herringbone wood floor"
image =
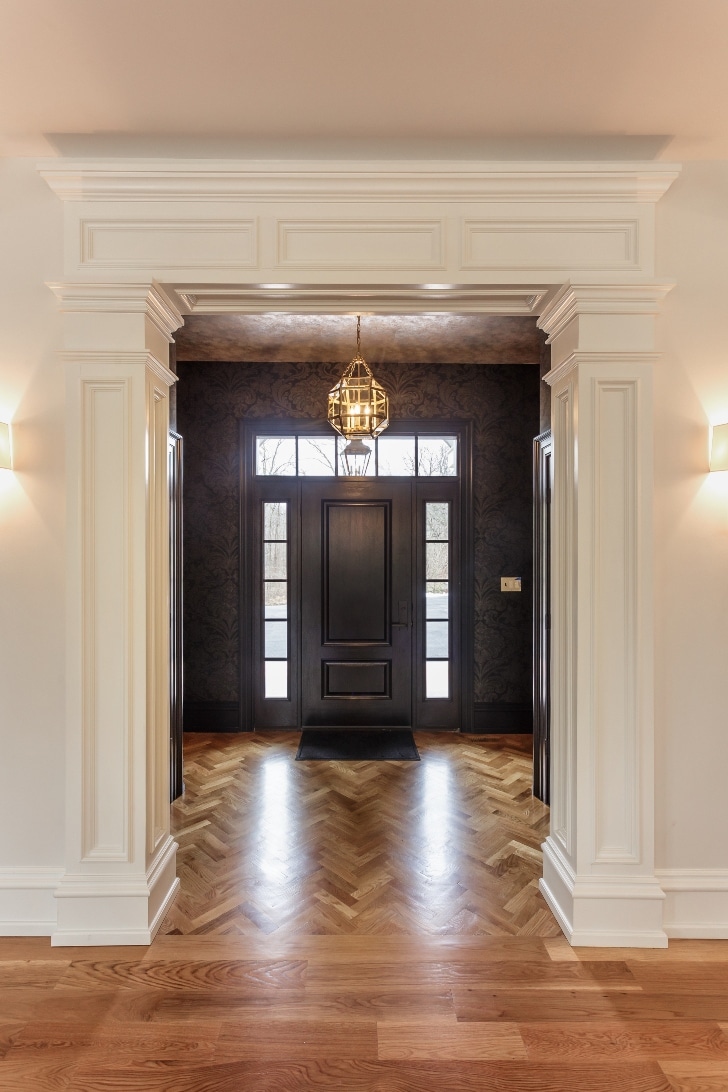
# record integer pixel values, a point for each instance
(361, 1006)
(446, 845)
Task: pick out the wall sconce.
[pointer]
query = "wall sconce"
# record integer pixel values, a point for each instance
(719, 448)
(6, 458)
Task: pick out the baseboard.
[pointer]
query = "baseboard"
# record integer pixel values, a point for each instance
(27, 902)
(606, 911)
(211, 716)
(502, 718)
(696, 902)
(116, 908)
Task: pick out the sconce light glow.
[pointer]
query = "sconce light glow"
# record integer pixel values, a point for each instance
(719, 448)
(6, 460)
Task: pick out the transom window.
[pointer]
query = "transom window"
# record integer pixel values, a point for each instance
(413, 456)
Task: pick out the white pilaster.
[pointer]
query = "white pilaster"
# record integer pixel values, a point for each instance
(120, 858)
(599, 872)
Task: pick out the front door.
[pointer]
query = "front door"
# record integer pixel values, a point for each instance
(356, 603)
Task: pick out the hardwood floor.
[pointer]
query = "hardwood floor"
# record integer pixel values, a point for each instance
(446, 845)
(449, 991)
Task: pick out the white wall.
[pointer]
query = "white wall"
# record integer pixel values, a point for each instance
(692, 529)
(31, 526)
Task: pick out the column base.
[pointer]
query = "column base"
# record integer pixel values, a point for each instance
(602, 911)
(115, 908)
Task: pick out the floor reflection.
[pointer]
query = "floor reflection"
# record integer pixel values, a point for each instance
(447, 845)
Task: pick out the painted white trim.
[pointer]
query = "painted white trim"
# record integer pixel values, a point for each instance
(27, 905)
(382, 299)
(215, 180)
(696, 904)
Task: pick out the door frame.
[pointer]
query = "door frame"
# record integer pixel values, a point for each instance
(252, 426)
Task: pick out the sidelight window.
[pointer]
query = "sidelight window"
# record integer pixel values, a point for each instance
(437, 599)
(276, 617)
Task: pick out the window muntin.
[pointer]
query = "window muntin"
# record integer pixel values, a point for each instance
(276, 619)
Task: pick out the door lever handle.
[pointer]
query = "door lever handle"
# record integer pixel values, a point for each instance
(402, 613)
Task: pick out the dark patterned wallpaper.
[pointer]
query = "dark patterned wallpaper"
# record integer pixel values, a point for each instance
(503, 402)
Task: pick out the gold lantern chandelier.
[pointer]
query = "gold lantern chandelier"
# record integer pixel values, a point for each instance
(358, 410)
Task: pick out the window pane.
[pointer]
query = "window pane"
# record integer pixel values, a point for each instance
(275, 455)
(437, 456)
(276, 679)
(360, 466)
(276, 599)
(396, 456)
(436, 599)
(275, 521)
(317, 456)
(437, 680)
(437, 521)
(274, 560)
(276, 640)
(438, 640)
(436, 560)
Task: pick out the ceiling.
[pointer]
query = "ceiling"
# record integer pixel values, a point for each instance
(461, 79)
(411, 339)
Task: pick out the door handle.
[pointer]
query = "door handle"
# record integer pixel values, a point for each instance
(402, 617)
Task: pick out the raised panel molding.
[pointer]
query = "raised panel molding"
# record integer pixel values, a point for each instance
(360, 244)
(614, 611)
(551, 244)
(169, 244)
(107, 701)
(564, 632)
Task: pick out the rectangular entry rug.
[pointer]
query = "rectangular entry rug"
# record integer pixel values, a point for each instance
(355, 745)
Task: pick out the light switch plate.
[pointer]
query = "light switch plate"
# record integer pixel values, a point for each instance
(510, 583)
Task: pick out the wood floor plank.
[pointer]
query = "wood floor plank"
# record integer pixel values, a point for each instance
(525, 1005)
(446, 1041)
(294, 1039)
(375, 1076)
(696, 1076)
(499, 974)
(94, 1041)
(177, 974)
(683, 1040)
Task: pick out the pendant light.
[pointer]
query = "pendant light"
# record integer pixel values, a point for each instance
(358, 405)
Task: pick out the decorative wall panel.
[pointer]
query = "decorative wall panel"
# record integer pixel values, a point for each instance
(107, 586)
(166, 244)
(503, 402)
(551, 244)
(361, 244)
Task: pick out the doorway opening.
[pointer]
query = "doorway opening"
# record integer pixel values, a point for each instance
(357, 592)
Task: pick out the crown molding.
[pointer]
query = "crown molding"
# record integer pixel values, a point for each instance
(345, 299)
(600, 299)
(149, 299)
(215, 180)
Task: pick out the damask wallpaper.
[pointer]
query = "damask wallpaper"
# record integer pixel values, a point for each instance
(503, 402)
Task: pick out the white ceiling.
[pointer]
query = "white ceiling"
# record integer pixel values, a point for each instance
(503, 79)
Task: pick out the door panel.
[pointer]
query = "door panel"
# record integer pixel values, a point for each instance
(356, 555)
(357, 546)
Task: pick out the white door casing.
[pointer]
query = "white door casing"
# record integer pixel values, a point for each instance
(150, 241)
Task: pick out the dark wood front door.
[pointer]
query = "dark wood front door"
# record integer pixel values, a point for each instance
(356, 603)
(356, 592)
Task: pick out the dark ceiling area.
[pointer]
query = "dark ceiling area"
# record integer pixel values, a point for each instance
(392, 339)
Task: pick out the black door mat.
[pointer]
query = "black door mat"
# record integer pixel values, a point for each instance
(355, 745)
